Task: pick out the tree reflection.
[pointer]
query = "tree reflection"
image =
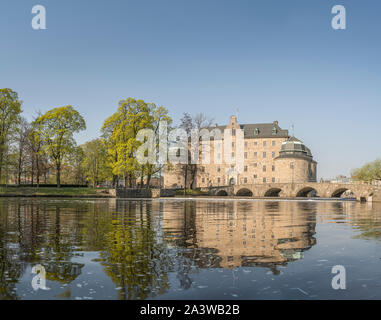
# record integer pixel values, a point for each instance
(132, 253)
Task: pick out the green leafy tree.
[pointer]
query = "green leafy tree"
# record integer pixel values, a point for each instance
(57, 127)
(121, 130)
(10, 110)
(369, 172)
(95, 162)
(158, 114)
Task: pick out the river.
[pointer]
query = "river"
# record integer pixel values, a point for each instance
(188, 249)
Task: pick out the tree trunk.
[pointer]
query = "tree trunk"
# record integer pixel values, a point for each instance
(148, 180)
(185, 179)
(19, 170)
(141, 179)
(58, 176)
(125, 181)
(32, 172)
(37, 173)
(1, 160)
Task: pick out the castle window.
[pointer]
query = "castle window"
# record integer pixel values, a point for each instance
(255, 164)
(264, 180)
(233, 132)
(264, 154)
(218, 169)
(245, 155)
(273, 179)
(202, 169)
(255, 154)
(273, 143)
(232, 144)
(218, 180)
(256, 131)
(255, 143)
(245, 168)
(264, 168)
(203, 180)
(245, 143)
(264, 143)
(232, 154)
(291, 165)
(255, 176)
(275, 131)
(273, 168)
(244, 180)
(273, 154)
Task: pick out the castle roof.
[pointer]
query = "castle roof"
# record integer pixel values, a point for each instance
(259, 130)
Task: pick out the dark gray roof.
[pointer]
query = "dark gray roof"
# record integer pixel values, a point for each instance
(293, 147)
(259, 130)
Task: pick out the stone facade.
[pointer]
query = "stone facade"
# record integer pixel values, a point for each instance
(268, 157)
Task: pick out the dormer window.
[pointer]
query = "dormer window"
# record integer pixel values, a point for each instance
(256, 131)
(275, 131)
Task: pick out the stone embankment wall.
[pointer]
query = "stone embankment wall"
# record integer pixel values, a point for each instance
(143, 193)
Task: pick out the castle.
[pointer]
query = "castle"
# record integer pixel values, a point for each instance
(271, 155)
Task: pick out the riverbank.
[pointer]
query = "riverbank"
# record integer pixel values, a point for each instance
(54, 192)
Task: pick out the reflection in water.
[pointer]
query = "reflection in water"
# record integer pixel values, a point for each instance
(237, 234)
(144, 249)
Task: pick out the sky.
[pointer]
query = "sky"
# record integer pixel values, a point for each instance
(262, 60)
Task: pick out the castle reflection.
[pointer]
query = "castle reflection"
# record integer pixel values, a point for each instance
(243, 233)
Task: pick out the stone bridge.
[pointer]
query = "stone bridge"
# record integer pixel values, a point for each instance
(362, 192)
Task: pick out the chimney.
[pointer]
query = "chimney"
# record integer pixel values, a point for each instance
(275, 122)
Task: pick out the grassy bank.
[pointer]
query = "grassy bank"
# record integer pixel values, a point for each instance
(45, 191)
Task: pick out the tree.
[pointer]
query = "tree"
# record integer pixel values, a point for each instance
(192, 125)
(36, 149)
(95, 162)
(369, 172)
(121, 130)
(10, 109)
(22, 141)
(57, 127)
(157, 115)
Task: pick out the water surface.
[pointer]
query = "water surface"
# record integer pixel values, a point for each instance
(189, 249)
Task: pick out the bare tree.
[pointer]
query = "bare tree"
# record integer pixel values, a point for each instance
(192, 125)
(21, 141)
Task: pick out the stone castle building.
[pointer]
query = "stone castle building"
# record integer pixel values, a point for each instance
(270, 155)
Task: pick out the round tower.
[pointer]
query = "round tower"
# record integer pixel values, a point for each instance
(295, 163)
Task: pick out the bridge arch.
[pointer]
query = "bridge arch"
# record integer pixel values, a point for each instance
(273, 192)
(244, 192)
(308, 192)
(338, 193)
(222, 193)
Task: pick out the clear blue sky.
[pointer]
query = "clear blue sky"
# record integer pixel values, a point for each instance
(274, 60)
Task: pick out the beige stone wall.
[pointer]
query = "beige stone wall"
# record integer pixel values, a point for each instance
(294, 170)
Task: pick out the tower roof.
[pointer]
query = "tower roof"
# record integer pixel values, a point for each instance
(293, 147)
